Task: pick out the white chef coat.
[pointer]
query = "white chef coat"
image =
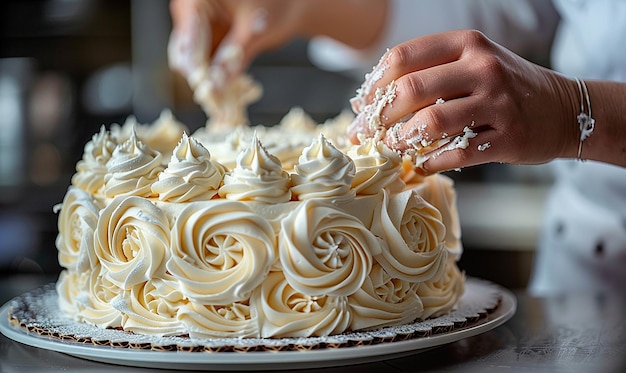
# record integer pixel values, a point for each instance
(583, 239)
(582, 244)
(524, 26)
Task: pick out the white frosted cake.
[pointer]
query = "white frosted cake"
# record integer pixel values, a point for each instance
(284, 231)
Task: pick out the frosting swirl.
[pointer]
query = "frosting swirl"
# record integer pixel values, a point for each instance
(132, 238)
(384, 301)
(221, 251)
(70, 286)
(190, 174)
(286, 312)
(258, 176)
(323, 172)
(377, 167)
(152, 307)
(324, 250)
(414, 234)
(439, 191)
(132, 169)
(162, 135)
(440, 295)
(96, 305)
(234, 320)
(90, 170)
(77, 223)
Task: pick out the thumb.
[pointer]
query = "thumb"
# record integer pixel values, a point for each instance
(188, 46)
(247, 38)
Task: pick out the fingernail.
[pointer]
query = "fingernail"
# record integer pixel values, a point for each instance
(357, 103)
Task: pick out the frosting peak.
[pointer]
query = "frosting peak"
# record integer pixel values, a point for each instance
(90, 170)
(190, 174)
(323, 172)
(258, 176)
(377, 167)
(132, 169)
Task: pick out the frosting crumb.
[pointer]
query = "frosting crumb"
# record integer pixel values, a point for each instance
(483, 147)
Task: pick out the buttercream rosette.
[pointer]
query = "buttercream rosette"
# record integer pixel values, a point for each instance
(91, 169)
(377, 167)
(414, 234)
(161, 135)
(234, 320)
(286, 312)
(152, 308)
(132, 241)
(190, 175)
(258, 176)
(77, 223)
(384, 301)
(96, 305)
(440, 295)
(323, 171)
(439, 191)
(132, 169)
(324, 250)
(221, 251)
(70, 286)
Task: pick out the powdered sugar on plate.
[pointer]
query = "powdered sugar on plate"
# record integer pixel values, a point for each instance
(37, 312)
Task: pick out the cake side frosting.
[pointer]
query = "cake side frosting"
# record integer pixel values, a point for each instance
(238, 243)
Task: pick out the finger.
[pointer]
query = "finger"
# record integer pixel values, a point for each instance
(444, 120)
(417, 90)
(189, 46)
(411, 93)
(198, 27)
(483, 148)
(248, 36)
(414, 55)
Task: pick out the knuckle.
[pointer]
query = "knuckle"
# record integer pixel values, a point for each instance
(492, 65)
(412, 86)
(434, 118)
(464, 156)
(475, 39)
(399, 56)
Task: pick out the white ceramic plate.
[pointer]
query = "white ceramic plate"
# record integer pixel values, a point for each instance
(274, 360)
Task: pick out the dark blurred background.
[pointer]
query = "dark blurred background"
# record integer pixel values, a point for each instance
(69, 66)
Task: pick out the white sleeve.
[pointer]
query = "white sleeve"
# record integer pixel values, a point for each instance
(524, 26)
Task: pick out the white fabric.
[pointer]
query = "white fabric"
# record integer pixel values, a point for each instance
(583, 240)
(524, 26)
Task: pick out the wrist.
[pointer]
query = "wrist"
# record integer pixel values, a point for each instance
(568, 98)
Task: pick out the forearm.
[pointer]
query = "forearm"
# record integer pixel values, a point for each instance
(356, 23)
(607, 143)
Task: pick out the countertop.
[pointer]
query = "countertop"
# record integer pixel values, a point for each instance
(567, 333)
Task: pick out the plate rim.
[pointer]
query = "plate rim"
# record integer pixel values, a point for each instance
(266, 359)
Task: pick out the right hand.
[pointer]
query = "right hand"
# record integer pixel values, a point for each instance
(522, 113)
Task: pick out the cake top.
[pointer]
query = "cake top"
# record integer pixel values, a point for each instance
(160, 160)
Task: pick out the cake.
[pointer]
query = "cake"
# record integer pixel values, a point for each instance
(256, 232)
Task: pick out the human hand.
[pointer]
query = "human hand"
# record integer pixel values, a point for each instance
(209, 31)
(519, 112)
(215, 27)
